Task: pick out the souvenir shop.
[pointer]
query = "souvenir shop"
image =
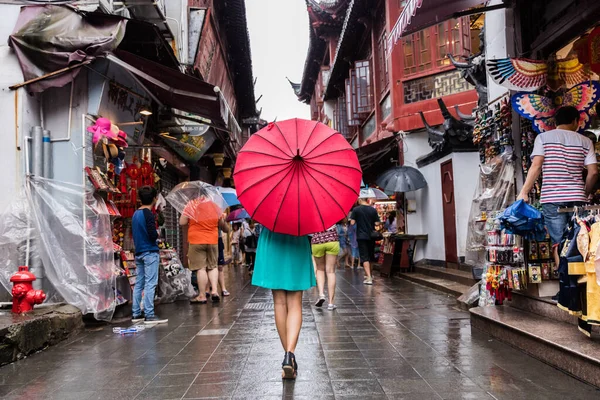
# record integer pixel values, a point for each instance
(116, 172)
(563, 67)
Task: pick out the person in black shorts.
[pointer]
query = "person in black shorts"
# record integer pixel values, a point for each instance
(365, 218)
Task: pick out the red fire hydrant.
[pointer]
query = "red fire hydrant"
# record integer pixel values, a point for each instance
(24, 296)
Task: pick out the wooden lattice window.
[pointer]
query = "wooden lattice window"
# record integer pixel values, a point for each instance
(424, 46)
(364, 87)
(383, 74)
(359, 93)
(452, 37)
(410, 64)
(341, 117)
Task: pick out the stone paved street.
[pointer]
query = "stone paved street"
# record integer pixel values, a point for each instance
(393, 340)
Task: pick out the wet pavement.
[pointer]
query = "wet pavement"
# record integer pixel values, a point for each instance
(393, 340)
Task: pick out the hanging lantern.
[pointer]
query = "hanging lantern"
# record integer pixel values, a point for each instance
(226, 173)
(219, 158)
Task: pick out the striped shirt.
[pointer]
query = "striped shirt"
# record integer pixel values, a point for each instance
(565, 155)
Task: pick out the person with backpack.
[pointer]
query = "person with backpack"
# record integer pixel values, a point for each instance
(250, 244)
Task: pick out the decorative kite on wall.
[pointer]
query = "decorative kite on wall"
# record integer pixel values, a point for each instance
(529, 75)
(541, 109)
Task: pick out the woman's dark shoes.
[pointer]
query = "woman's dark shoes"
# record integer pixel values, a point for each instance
(215, 298)
(289, 366)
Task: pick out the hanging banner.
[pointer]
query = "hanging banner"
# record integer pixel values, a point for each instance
(594, 50)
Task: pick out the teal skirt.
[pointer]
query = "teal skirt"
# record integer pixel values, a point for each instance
(283, 262)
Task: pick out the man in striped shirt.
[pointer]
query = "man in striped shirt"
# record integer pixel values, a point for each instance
(561, 155)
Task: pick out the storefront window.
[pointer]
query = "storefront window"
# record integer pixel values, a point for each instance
(368, 129)
(386, 107)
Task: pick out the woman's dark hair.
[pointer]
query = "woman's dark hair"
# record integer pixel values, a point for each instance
(567, 115)
(391, 217)
(147, 195)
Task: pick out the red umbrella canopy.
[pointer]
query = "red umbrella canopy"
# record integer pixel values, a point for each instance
(297, 177)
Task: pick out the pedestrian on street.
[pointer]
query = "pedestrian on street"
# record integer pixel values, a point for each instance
(250, 245)
(203, 249)
(344, 256)
(221, 263)
(365, 218)
(353, 244)
(236, 236)
(284, 265)
(147, 257)
(325, 250)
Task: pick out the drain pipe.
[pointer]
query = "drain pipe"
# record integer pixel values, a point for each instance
(37, 170)
(47, 153)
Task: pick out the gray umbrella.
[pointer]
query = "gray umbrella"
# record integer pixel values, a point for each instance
(401, 180)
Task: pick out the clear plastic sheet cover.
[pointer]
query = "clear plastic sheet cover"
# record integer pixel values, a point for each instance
(72, 234)
(495, 191)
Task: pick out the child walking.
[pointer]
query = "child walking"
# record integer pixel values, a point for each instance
(147, 258)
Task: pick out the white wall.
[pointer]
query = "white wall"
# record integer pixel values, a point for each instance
(16, 121)
(429, 217)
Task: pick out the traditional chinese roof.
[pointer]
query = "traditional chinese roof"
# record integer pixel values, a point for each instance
(352, 31)
(326, 18)
(231, 15)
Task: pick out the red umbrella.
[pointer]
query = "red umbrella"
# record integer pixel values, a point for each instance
(297, 177)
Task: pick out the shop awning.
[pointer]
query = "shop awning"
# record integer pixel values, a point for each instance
(421, 14)
(175, 89)
(370, 154)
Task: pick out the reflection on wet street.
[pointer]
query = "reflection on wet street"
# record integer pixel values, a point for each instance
(393, 340)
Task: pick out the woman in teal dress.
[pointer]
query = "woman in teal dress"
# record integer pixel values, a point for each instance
(284, 265)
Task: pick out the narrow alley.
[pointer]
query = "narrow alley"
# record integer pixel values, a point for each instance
(394, 340)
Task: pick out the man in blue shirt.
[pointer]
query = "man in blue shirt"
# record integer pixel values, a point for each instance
(147, 258)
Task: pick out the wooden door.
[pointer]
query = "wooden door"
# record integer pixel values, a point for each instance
(449, 210)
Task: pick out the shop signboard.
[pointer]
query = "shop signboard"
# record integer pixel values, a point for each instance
(191, 148)
(115, 95)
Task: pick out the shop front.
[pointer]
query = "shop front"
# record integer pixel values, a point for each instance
(121, 122)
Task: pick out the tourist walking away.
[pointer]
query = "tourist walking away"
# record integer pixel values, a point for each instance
(365, 218)
(147, 258)
(235, 245)
(561, 155)
(325, 250)
(342, 231)
(250, 245)
(203, 249)
(221, 262)
(284, 265)
(353, 245)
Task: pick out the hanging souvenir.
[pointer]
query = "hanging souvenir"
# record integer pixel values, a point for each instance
(535, 274)
(146, 173)
(594, 50)
(541, 109)
(530, 75)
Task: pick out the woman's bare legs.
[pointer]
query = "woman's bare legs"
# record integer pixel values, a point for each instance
(222, 278)
(320, 263)
(281, 314)
(294, 320)
(330, 261)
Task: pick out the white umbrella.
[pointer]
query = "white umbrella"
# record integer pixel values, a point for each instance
(191, 199)
(372, 193)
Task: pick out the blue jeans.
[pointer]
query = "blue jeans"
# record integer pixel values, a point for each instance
(557, 222)
(146, 281)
